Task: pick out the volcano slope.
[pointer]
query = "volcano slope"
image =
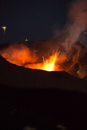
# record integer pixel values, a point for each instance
(36, 99)
(13, 75)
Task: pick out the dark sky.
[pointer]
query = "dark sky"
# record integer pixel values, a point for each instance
(31, 19)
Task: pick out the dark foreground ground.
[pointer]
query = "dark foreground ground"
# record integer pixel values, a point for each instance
(45, 109)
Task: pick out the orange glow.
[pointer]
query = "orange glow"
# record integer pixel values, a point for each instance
(48, 65)
(23, 56)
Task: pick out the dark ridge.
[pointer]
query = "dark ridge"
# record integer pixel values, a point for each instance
(61, 74)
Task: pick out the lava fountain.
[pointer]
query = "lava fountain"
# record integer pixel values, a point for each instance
(48, 64)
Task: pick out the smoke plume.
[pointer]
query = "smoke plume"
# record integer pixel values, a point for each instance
(77, 16)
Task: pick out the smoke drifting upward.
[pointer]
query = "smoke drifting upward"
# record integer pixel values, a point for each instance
(77, 16)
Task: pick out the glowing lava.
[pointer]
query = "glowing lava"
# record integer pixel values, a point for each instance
(23, 56)
(48, 65)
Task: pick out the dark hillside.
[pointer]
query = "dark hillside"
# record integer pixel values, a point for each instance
(42, 109)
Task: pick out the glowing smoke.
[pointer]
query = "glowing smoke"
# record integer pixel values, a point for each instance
(19, 54)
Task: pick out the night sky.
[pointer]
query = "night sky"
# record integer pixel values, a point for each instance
(31, 19)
